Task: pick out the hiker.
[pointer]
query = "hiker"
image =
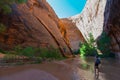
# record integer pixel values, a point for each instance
(96, 66)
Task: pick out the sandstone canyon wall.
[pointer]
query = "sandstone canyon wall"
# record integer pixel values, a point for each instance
(99, 16)
(91, 19)
(32, 24)
(74, 36)
(112, 24)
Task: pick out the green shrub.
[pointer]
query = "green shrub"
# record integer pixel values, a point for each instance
(28, 51)
(35, 54)
(104, 45)
(88, 48)
(8, 57)
(18, 49)
(50, 53)
(2, 28)
(1, 50)
(6, 9)
(21, 1)
(38, 60)
(5, 5)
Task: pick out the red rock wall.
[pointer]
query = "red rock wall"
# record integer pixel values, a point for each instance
(32, 24)
(73, 35)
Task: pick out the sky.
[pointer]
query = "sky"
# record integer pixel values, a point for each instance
(67, 8)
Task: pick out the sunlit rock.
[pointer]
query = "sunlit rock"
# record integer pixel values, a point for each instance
(91, 19)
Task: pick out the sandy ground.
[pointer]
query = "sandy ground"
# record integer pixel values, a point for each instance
(69, 69)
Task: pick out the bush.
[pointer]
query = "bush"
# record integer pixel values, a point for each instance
(28, 51)
(38, 52)
(104, 45)
(21, 1)
(18, 49)
(51, 53)
(31, 55)
(34, 54)
(5, 5)
(9, 57)
(1, 50)
(2, 28)
(6, 9)
(87, 48)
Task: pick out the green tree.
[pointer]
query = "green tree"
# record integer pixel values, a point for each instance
(2, 28)
(104, 45)
(88, 48)
(5, 8)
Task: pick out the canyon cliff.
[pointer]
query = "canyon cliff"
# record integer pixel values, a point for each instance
(35, 24)
(91, 19)
(74, 36)
(112, 24)
(100, 16)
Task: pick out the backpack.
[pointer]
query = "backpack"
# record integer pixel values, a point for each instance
(97, 61)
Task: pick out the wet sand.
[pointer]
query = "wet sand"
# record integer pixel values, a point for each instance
(70, 69)
(57, 70)
(30, 74)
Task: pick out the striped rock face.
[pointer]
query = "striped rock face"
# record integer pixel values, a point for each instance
(32, 24)
(112, 24)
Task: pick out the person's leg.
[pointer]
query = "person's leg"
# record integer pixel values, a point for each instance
(97, 72)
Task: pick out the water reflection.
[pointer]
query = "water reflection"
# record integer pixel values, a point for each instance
(84, 64)
(109, 69)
